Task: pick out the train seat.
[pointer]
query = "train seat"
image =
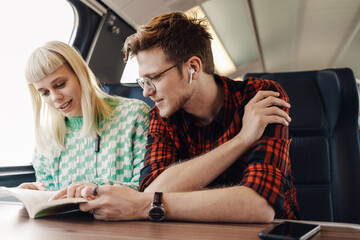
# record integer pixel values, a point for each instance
(325, 150)
(129, 90)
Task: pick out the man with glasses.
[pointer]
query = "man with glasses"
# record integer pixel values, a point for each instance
(218, 149)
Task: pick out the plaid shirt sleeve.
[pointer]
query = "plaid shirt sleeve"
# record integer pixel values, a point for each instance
(268, 170)
(160, 150)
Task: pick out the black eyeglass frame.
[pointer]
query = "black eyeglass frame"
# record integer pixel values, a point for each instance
(148, 81)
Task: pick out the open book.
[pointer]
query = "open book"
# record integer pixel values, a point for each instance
(37, 203)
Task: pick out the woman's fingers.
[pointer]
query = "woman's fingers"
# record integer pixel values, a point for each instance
(33, 186)
(41, 187)
(78, 191)
(73, 191)
(87, 191)
(61, 194)
(90, 192)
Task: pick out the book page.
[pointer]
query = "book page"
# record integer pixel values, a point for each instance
(35, 201)
(30, 198)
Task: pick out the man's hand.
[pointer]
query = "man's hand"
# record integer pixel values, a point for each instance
(72, 191)
(263, 109)
(33, 186)
(116, 202)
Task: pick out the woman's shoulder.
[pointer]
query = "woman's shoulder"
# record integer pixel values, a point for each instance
(123, 105)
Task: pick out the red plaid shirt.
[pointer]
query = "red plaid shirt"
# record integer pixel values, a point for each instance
(265, 167)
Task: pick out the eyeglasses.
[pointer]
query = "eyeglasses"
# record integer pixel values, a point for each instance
(145, 81)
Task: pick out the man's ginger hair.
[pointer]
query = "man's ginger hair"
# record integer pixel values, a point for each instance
(179, 36)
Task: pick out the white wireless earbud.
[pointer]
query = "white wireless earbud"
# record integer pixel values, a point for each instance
(191, 74)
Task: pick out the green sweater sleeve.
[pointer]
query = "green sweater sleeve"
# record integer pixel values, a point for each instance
(44, 170)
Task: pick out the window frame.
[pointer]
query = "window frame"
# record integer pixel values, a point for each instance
(85, 27)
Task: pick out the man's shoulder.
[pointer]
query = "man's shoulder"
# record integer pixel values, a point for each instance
(255, 84)
(261, 84)
(250, 84)
(242, 91)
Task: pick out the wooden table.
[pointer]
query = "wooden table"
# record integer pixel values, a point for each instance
(15, 224)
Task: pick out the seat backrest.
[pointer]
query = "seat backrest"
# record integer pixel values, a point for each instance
(128, 90)
(325, 150)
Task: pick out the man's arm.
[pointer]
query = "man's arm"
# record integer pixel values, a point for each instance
(199, 172)
(232, 204)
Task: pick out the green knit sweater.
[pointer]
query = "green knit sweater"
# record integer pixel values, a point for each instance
(120, 156)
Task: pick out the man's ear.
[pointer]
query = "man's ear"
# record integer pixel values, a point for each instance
(195, 63)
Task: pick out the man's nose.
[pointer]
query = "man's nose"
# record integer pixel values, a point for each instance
(148, 91)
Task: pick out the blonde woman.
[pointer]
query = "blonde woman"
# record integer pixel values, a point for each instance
(83, 135)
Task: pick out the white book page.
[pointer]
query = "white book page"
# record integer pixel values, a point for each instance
(35, 200)
(30, 198)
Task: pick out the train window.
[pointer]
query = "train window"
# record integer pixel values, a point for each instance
(23, 28)
(131, 71)
(106, 58)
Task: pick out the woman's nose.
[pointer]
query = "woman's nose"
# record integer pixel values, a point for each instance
(56, 96)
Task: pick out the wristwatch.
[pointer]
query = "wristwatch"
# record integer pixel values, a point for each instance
(157, 211)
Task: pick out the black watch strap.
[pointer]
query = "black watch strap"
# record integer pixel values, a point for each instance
(157, 198)
(157, 212)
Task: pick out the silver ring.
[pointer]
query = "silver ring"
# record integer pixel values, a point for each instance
(92, 211)
(95, 191)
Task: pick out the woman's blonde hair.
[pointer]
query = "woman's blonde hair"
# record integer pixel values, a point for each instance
(50, 126)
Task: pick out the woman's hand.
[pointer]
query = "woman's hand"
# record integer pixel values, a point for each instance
(72, 191)
(33, 186)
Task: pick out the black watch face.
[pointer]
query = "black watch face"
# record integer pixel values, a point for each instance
(157, 213)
